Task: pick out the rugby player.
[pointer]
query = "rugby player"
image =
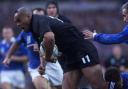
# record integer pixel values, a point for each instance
(116, 78)
(81, 56)
(117, 38)
(52, 9)
(12, 75)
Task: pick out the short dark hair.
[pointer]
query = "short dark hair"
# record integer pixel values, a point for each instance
(8, 26)
(125, 6)
(23, 11)
(39, 9)
(112, 74)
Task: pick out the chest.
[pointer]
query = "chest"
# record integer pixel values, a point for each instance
(4, 48)
(29, 38)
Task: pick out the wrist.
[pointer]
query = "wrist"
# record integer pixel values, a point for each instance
(94, 34)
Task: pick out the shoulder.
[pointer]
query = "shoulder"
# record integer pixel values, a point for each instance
(39, 17)
(64, 18)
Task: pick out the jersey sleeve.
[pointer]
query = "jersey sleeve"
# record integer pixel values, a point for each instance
(112, 38)
(44, 26)
(19, 39)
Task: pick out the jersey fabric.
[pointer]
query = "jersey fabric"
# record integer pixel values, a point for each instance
(112, 85)
(120, 37)
(1, 64)
(64, 19)
(67, 38)
(124, 76)
(28, 39)
(4, 47)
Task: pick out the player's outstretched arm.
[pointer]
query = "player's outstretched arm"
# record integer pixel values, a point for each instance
(112, 38)
(108, 38)
(13, 48)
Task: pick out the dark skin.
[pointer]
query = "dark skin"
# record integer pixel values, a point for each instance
(22, 19)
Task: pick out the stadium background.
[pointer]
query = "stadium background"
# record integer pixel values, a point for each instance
(101, 15)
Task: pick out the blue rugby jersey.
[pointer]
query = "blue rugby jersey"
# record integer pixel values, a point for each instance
(14, 65)
(28, 39)
(121, 37)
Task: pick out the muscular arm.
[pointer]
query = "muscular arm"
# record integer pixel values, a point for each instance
(49, 42)
(112, 38)
(45, 31)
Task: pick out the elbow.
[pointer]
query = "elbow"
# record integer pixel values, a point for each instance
(49, 38)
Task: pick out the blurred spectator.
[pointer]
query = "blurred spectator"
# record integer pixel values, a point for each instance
(112, 76)
(124, 66)
(116, 78)
(12, 75)
(116, 59)
(52, 9)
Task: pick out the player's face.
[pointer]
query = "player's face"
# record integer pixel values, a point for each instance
(36, 12)
(7, 33)
(125, 15)
(52, 10)
(117, 51)
(22, 21)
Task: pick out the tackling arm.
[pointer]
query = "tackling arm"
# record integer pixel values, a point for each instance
(112, 38)
(49, 42)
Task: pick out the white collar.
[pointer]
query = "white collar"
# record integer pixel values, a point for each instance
(11, 40)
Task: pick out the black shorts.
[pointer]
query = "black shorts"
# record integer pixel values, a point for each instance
(73, 62)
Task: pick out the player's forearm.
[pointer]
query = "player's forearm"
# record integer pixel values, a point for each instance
(49, 49)
(19, 58)
(49, 43)
(13, 48)
(109, 38)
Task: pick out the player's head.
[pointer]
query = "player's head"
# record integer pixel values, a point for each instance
(52, 8)
(117, 51)
(7, 33)
(112, 74)
(22, 17)
(38, 11)
(125, 12)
